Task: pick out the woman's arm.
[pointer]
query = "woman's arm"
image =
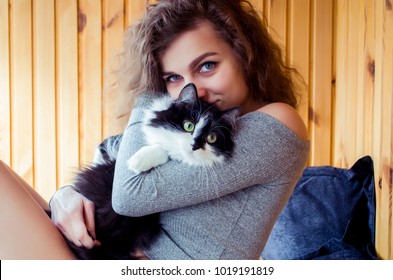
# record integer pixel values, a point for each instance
(265, 150)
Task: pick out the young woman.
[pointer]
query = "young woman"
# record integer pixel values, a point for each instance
(223, 212)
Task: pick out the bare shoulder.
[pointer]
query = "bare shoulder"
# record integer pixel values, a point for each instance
(287, 115)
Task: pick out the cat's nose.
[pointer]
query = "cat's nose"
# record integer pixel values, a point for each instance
(197, 146)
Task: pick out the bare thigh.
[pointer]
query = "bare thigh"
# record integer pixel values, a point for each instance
(26, 232)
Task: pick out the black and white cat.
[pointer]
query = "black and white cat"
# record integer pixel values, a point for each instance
(186, 129)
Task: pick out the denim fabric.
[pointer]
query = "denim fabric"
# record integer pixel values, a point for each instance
(330, 215)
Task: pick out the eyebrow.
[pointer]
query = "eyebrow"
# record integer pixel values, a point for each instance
(197, 60)
(193, 63)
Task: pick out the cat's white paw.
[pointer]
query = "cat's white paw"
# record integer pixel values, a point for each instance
(146, 158)
(137, 163)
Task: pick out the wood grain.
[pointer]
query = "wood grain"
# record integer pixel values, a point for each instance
(90, 78)
(55, 56)
(67, 97)
(21, 86)
(44, 96)
(5, 87)
(320, 122)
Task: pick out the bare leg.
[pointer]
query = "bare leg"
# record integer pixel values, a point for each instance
(26, 232)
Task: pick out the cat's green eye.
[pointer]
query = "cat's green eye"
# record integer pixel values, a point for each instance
(188, 126)
(211, 138)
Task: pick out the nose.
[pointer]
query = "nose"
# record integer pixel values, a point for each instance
(202, 93)
(197, 145)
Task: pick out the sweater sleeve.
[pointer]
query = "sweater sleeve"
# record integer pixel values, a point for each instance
(265, 150)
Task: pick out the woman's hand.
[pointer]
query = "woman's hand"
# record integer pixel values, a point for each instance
(73, 215)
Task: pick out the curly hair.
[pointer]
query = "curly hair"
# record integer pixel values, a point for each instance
(236, 21)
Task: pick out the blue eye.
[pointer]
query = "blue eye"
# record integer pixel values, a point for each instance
(173, 78)
(207, 66)
(188, 126)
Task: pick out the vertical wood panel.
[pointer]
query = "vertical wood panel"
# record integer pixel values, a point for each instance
(258, 6)
(298, 48)
(387, 143)
(369, 95)
(113, 29)
(90, 78)
(320, 88)
(45, 179)
(21, 88)
(360, 75)
(339, 132)
(54, 108)
(276, 15)
(134, 10)
(386, 207)
(352, 82)
(5, 111)
(67, 88)
(382, 225)
(363, 107)
(369, 66)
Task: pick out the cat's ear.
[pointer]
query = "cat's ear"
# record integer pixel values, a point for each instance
(231, 115)
(188, 94)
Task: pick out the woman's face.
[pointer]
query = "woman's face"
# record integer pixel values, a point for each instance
(201, 57)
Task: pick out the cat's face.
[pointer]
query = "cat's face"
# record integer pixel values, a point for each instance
(193, 131)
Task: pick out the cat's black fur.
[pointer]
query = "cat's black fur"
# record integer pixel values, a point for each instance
(121, 236)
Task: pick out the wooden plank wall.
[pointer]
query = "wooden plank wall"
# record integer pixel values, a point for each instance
(363, 99)
(54, 56)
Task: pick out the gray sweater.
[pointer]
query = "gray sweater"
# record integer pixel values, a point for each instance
(221, 212)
